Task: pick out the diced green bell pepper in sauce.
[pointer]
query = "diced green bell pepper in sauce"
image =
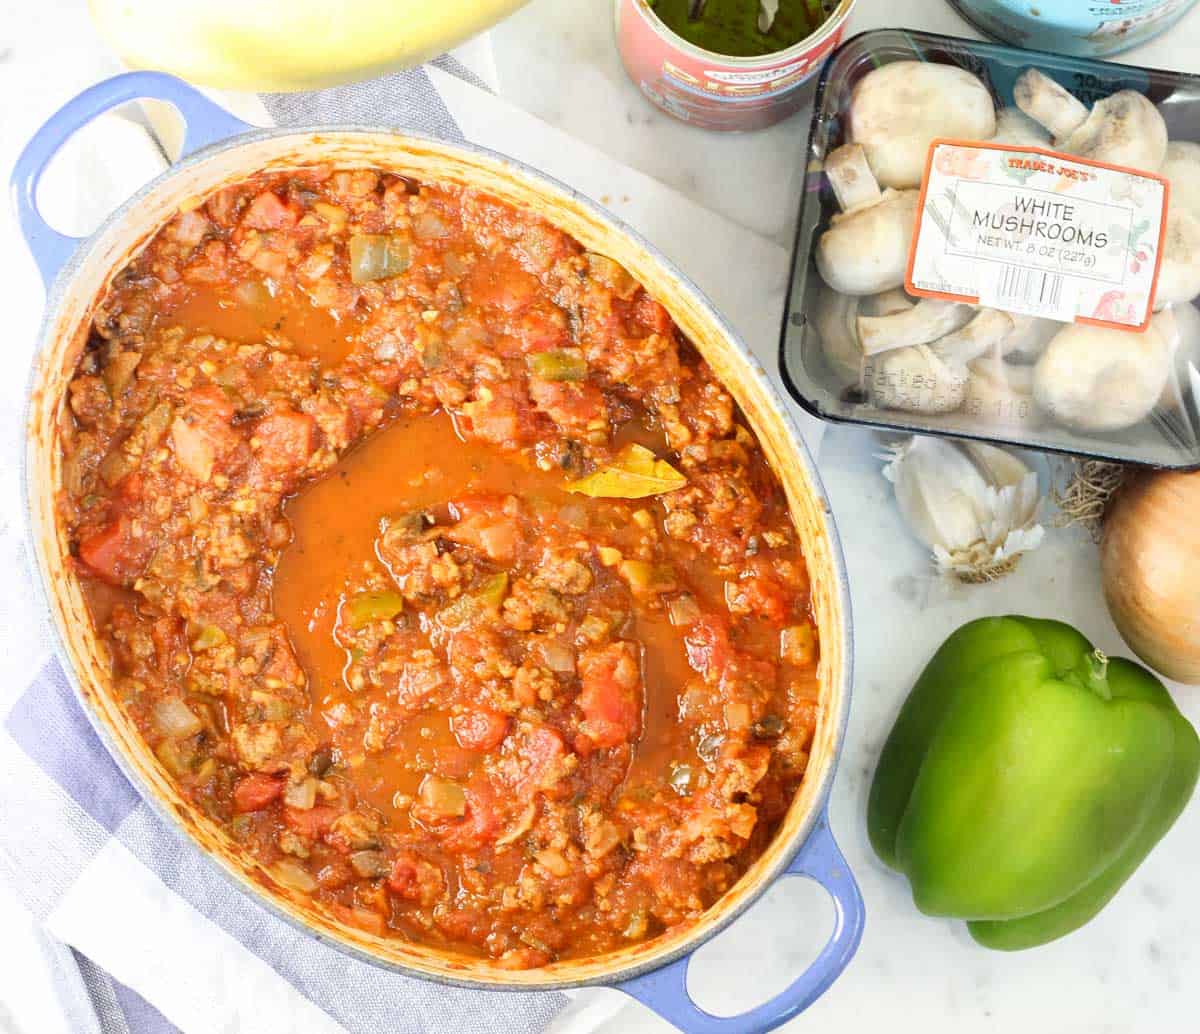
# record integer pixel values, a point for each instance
(376, 256)
(634, 473)
(558, 364)
(361, 610)
(486, 598)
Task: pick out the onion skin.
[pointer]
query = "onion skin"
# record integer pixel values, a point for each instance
(1150, 561)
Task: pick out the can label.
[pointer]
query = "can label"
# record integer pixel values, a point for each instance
(1034, 231)
(697, 87)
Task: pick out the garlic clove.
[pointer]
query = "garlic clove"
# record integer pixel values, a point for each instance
(974, 505)
(941, 493)
(998, 465)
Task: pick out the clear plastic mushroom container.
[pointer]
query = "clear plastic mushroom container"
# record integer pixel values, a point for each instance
(1001, 244)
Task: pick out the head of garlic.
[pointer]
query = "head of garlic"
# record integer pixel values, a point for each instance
(974, 505)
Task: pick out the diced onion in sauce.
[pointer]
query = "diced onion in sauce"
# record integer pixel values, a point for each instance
(253, 294)
(558, 656)
(709, 747)
(294, 875)
(798, 645)
(172, 757)
(302, 795)
(637, 926)
(574, 515)
(553, 862)
(119, 370)
(175, 719)
(645, 578)
(443, 796)
(682, 778)
(737, 715)
(683, 610)
(334, 215)
(115, 466)
(429, 226)
(376, 256)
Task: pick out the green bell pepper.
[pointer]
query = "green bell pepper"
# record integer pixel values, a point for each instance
(1026, 778)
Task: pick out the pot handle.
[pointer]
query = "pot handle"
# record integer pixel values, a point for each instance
(205, 123)
(665, 990)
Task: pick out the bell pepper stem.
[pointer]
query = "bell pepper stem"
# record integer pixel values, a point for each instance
(1091, 674)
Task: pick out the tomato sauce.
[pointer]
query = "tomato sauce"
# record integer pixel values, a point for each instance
(437, 568)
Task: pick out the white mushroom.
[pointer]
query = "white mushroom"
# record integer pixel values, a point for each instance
(1180, 326)
(865, 249)
(1000, 394)
(886, 302)
(1014, 127)
(834, 318)
(1030, 336)
(987, 329)
(916, 380)
(1179, 274)
(1182, 168)
(1123, 128)
(1100, 379)
(898, 109)
(926, 321)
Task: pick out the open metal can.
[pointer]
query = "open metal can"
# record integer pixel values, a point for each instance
(716, 91)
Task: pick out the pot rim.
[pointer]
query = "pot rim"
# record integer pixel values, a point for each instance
(688, 941)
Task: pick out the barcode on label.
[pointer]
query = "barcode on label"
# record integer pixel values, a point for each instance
(1034, 292)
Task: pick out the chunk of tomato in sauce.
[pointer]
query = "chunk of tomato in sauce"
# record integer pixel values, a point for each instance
(415, 879)
(202, 434)
(494, 534)
(480, 823)
(501, 283)
(112, 553)
(569, 405)
(708, 648)
(311, 822)
(268, 211)
(538, 756)
(479, 730)
(610, 699)
(285, 440)
(255, 791)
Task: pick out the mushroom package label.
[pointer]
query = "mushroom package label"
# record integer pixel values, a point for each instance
(1033, 231)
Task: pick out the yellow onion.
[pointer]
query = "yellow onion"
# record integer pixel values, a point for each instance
(1150, 557)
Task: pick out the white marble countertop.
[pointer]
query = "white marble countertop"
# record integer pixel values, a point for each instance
(1133, 967)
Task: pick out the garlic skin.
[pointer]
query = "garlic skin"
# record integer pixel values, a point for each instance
(974, 505)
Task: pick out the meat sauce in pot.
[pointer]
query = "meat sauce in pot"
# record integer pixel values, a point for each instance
(438, 567)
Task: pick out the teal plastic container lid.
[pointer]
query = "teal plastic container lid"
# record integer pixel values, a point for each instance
(1086, 28)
